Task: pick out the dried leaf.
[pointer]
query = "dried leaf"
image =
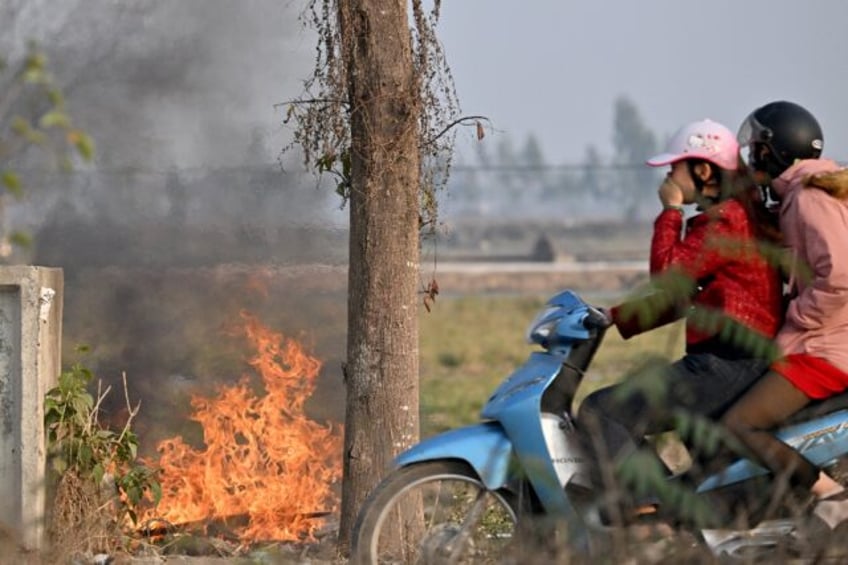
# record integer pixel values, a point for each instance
(430, 293)
(481, 133)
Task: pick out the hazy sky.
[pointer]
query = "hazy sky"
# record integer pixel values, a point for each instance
(555, 67)
(551, 67)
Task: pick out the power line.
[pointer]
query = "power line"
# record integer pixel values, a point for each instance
(545, 167)
(268, 167)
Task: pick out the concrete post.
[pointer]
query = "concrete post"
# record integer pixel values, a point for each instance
(30, 362)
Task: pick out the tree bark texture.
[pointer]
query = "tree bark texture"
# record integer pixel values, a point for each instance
(382, 350)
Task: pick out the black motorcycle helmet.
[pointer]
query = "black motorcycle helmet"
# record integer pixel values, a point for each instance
(779, 133)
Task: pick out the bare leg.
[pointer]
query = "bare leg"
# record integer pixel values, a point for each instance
(766, 405)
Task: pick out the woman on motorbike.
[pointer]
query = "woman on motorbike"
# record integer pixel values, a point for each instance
(785, 143)
(731, 284)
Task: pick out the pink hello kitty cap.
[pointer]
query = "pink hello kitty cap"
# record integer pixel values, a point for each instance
(705, 139)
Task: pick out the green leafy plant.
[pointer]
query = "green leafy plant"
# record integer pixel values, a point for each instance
(78, 443)
(32, 114)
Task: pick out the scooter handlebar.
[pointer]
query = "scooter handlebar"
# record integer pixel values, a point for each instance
(596, 319)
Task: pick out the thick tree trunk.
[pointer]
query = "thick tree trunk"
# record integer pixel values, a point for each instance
(382, 351)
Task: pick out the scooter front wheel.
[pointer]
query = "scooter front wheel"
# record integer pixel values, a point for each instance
(433, 512)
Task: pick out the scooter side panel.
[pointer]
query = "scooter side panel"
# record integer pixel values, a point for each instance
(516, 405)
(528, 382)
(521, 419)
(820, 440)
(483, 446)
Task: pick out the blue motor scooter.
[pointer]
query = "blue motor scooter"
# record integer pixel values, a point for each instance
(460, 496)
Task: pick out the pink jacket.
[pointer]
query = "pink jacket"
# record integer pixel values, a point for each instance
(815, 225)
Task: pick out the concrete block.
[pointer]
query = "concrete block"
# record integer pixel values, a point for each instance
(30, 363)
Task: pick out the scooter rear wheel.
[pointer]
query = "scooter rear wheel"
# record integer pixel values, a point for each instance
(433, 512)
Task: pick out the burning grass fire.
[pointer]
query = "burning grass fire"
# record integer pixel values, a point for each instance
(263, 458)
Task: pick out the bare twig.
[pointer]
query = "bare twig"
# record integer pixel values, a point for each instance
(311, 101)
(132, 411)
(92, 416)
(458, 122)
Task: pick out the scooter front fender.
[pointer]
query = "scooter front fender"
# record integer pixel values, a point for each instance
(483, 446)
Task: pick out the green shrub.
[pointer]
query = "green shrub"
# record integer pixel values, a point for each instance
(79, 444)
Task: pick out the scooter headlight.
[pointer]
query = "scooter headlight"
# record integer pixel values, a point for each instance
(543, 325)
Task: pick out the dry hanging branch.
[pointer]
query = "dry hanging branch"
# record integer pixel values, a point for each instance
(430, 292)
(321, 116)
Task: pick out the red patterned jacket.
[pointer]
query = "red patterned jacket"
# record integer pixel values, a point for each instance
(718, 251)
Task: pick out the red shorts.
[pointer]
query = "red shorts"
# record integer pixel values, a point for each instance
(813, 376)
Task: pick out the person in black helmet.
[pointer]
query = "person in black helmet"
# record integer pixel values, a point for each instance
(785, 143)
(776, 136)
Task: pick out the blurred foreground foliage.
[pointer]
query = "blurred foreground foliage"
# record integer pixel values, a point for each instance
(32, 114)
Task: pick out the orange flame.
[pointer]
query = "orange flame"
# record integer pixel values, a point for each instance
(263, 457)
